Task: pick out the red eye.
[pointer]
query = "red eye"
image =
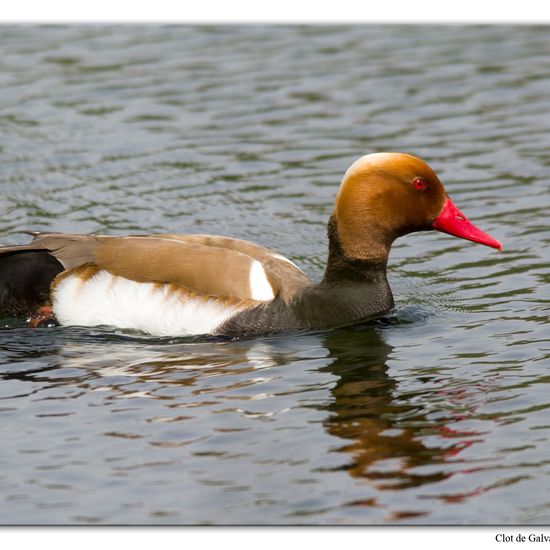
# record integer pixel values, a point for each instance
(419, 184)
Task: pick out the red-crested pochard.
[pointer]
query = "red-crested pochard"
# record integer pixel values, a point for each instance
(172, 285)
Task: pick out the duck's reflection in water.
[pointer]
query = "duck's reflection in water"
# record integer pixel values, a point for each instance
(396, 438)
(380, 429)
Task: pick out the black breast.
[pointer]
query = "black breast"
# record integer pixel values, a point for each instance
(324, 305)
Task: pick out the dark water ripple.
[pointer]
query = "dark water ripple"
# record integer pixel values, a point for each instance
(435, 414)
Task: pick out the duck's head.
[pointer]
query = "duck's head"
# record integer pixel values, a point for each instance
(386, 195)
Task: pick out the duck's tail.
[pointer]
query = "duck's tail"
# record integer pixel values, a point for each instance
(26, 273)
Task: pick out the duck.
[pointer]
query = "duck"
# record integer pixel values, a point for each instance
(195, 284)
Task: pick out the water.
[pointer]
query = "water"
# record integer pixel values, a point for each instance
(436, 414)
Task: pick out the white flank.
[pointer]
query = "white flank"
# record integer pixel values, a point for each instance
(106, 299)
(260, 288)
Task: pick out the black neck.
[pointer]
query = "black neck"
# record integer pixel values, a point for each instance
(342, 268)
(351, 288)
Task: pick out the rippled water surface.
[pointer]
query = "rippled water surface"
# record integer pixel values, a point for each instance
(436, 414)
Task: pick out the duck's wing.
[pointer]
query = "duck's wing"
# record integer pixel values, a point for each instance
(205, 264)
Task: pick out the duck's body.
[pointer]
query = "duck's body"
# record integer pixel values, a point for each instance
(172, 285)
(243, 288)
